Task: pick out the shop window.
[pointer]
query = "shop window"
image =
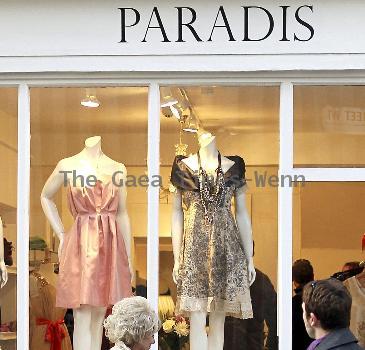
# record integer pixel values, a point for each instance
(8, 222)
(329, 126)
(241, 121)
(328, 227)
(88, 185)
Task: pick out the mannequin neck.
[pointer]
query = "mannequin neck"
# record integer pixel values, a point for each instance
(209, 153)
(92, 148)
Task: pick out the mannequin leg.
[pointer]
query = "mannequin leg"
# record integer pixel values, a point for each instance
(88, 327)
(82, 330)
(97, 319)
(216, 330)
(198, 335)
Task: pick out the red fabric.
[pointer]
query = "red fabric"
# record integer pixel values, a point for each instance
(54, 332)
(363, 242)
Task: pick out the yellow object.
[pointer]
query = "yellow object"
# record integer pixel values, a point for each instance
(168, 326)
(182, 329)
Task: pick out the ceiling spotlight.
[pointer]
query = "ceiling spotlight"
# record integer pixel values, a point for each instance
(166, 112)
(167, 97)
(90, 101)
(176, 112)
(169, 101)
(191, 125)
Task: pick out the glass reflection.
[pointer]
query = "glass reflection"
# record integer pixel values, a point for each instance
(244, 122)
(327, 242)
(85, 229)
(8, 218)
(329, 126)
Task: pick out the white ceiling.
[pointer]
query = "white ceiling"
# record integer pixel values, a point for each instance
(124, 109)
(56, 109)
(250, 114)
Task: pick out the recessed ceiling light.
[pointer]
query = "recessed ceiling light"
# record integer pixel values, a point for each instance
(90, 101)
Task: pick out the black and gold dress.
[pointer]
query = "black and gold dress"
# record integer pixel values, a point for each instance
(213, 267)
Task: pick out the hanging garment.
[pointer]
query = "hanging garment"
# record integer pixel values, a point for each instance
(213, 267)
(47, 328)
(94, 268)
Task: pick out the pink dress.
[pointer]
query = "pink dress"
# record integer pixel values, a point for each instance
(94, 267)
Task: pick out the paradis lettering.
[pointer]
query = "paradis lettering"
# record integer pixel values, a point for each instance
(187, 18)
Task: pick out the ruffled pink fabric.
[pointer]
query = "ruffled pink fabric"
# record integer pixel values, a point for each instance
(94, 267)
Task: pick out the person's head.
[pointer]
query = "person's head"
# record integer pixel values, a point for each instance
(133, 323)
(302, 272)
(326, 306)
(351, 265)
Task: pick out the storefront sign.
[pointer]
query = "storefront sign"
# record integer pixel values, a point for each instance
(186, 17)
(181, 27)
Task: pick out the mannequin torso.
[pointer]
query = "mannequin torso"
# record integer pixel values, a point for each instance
(209, 159)
(43, 312)
(90, 162)
(95, 255)
(188, 273)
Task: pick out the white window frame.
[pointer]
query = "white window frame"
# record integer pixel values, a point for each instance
(286, 80)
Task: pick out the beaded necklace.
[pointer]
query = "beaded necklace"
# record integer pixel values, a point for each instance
(211, 193)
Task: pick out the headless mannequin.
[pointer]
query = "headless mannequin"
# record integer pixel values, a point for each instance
(209, 161)
(88, 320)
(3, 271)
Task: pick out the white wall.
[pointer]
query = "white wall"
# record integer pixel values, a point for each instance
(65, 31)
(77, 28)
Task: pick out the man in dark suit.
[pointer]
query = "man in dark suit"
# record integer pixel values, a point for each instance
(326, 314)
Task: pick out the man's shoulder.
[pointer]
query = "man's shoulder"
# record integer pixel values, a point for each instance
(340, 339)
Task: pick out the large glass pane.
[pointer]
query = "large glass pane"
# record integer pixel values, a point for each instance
(88, 151)
(243, 122)
(328, 227)
(8, 207)
(329, 126)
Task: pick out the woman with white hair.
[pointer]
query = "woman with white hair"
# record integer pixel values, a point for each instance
(132, 324)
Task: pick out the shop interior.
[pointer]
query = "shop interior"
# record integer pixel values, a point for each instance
(329, 128)
(8, 205)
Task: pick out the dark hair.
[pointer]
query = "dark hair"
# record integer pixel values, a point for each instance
(329, 301)
(302, 271)
(352, 265)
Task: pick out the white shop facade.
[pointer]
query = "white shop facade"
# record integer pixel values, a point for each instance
(280, 84)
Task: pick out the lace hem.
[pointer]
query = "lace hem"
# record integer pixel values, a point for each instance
(239, 308)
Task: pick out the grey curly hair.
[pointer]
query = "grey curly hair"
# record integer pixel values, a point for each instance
(132, 319)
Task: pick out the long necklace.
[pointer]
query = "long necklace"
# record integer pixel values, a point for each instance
(211, 193)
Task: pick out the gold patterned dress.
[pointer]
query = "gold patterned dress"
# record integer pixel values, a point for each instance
(47, 329)
(213, 267)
